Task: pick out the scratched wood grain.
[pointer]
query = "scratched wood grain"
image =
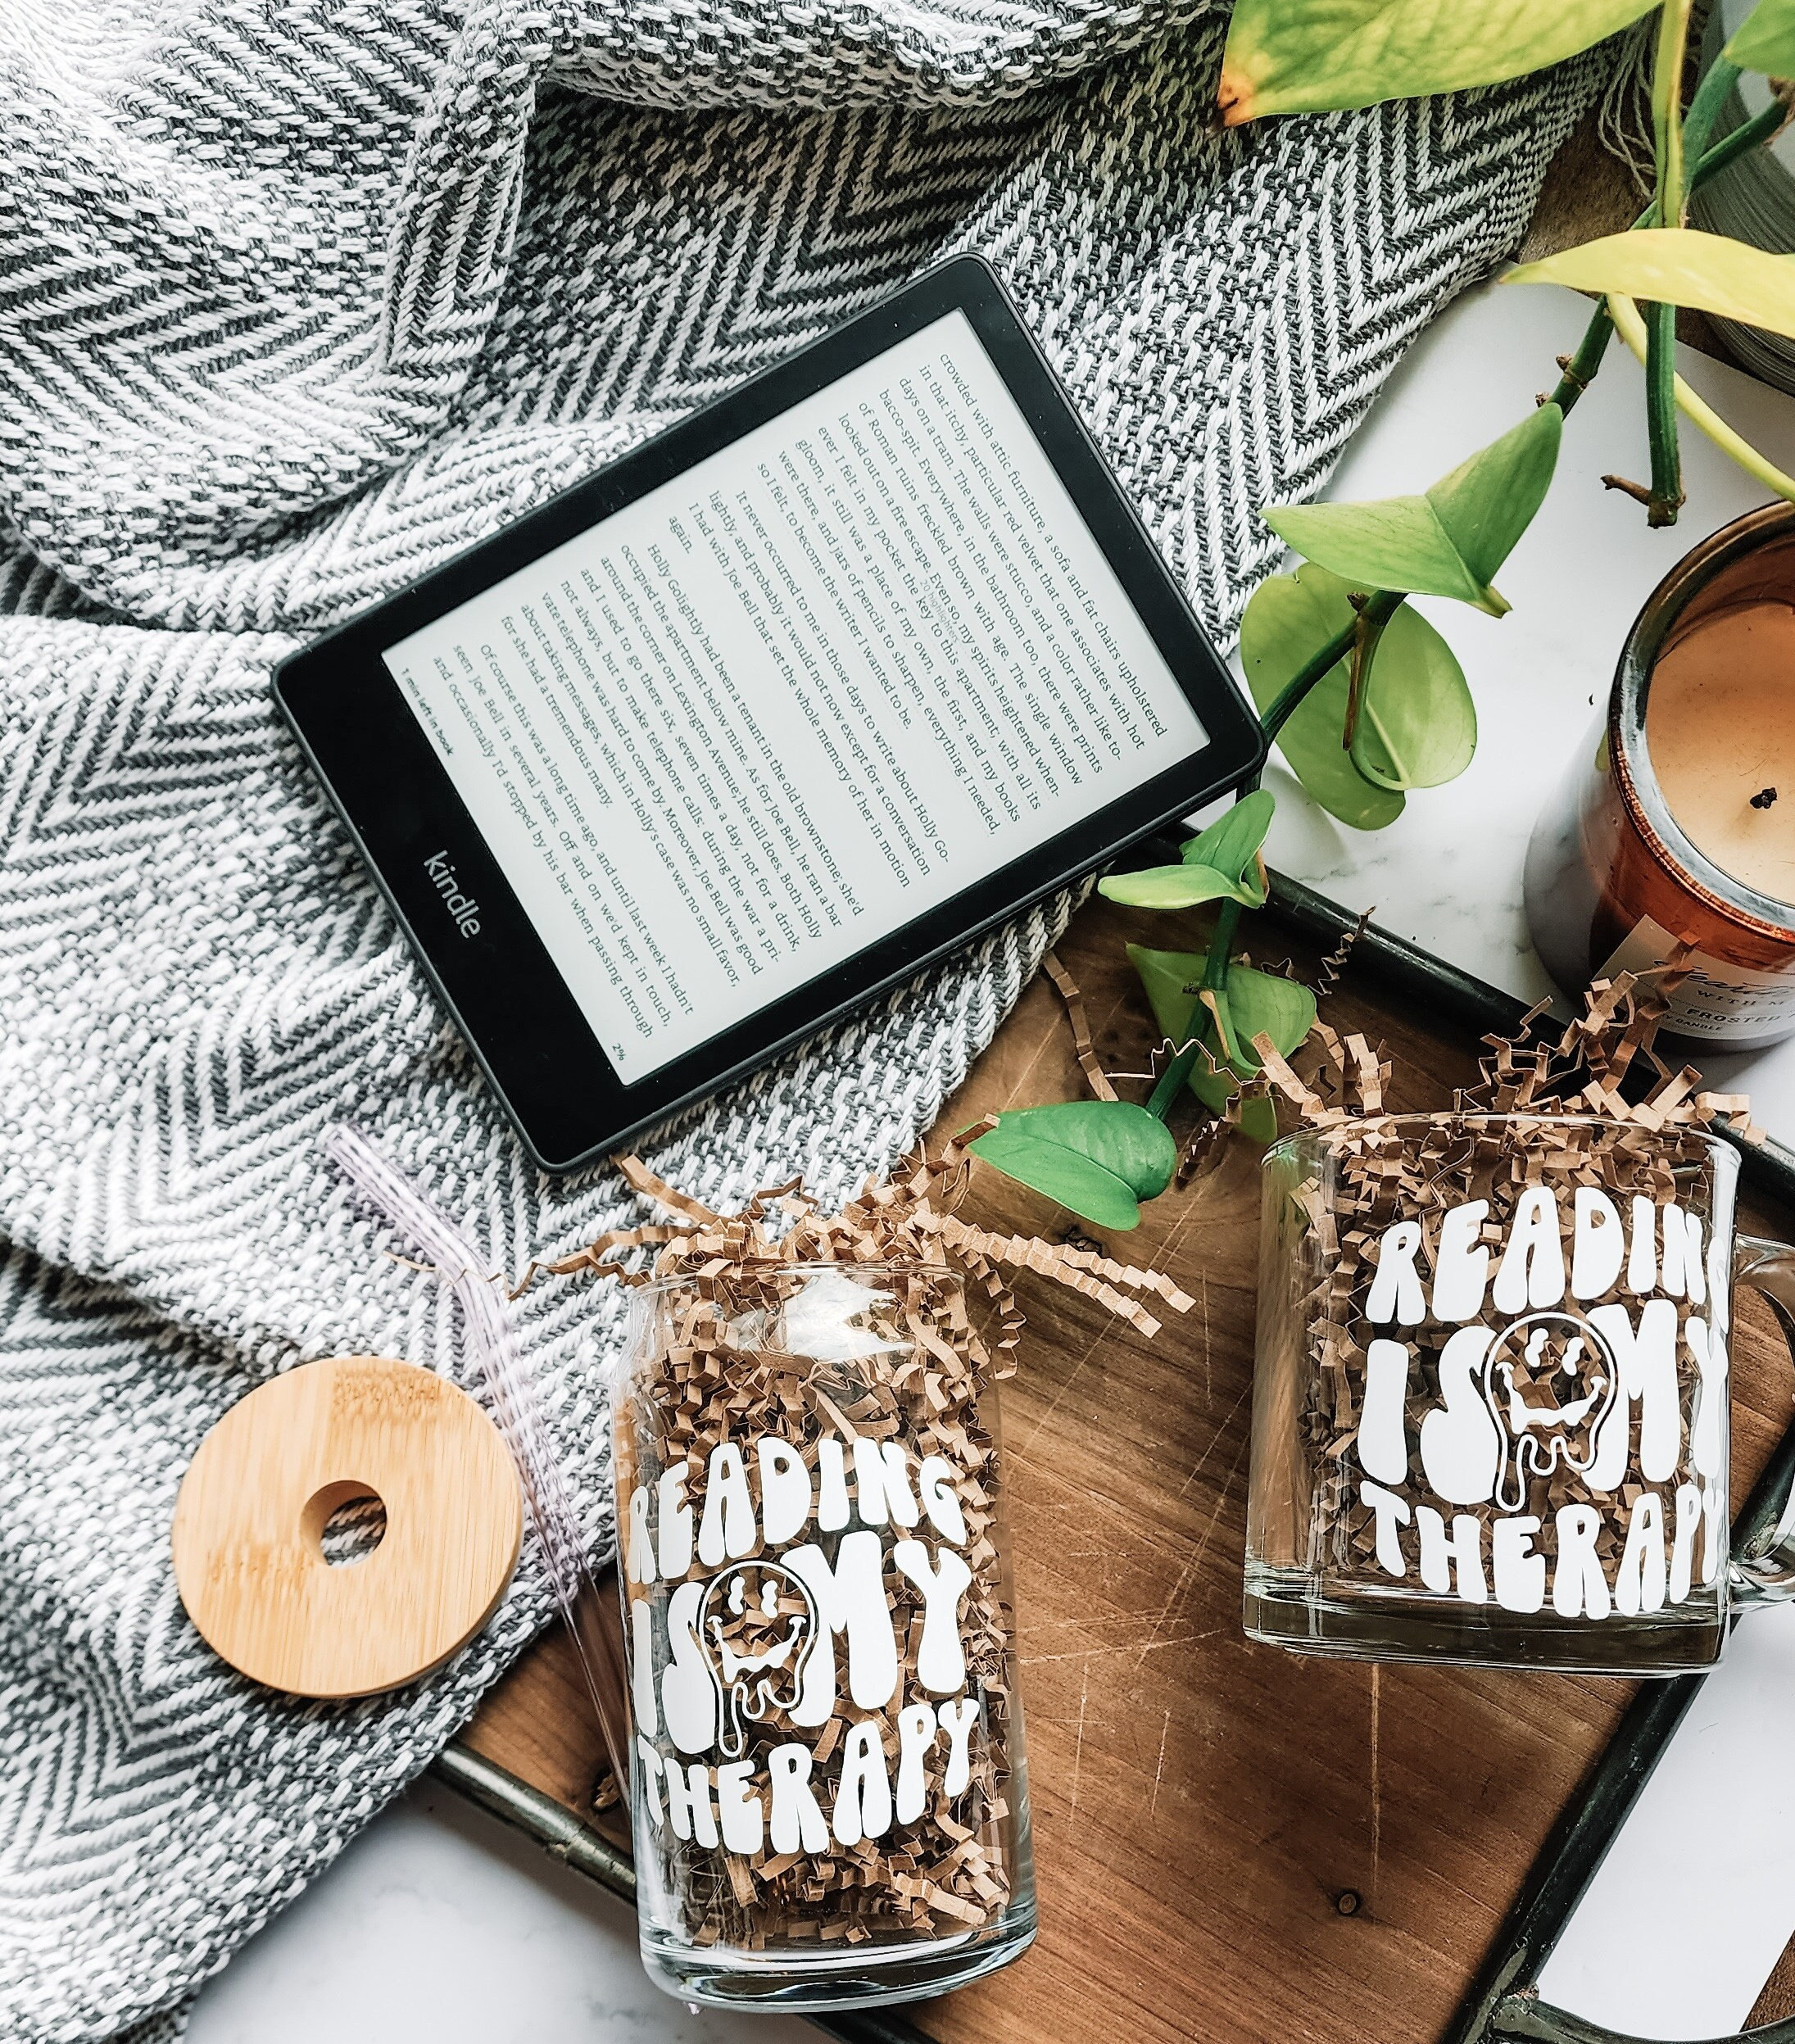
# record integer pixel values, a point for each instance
(1208, 1811)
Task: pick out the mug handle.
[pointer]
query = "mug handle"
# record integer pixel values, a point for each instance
(1762, 1571)
(1763, 1564)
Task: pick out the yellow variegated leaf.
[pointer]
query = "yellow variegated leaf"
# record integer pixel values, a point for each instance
(1293, 57)
(1680, 266)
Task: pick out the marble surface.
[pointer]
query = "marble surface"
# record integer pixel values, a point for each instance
(438, 1923)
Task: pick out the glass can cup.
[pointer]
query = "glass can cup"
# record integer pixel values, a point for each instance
(829, 1791)
(1490, 1406)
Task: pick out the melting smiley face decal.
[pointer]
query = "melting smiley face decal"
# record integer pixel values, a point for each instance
(1549, 1380)
(757, 1625)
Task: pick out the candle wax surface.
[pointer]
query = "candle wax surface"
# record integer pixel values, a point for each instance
(1719, 725)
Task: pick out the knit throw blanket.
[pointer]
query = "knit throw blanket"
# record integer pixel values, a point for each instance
(297, 297)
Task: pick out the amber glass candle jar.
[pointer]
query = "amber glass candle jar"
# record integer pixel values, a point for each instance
(1673, 838)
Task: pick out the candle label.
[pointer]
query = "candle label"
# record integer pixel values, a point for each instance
(1543, 1426)
(1718, 999)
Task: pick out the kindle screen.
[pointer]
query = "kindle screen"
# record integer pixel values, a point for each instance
(838, 670)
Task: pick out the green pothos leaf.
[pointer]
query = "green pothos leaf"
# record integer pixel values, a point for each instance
(1258, 1003)
(1450, 541)
(1417, 724)
(1098, 1158)
(1766, 40)
(1222, 863)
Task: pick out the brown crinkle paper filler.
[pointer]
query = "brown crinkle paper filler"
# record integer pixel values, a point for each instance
(1611, 1114)
(711, 1365)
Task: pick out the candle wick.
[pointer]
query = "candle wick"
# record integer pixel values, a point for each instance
(1764, 798)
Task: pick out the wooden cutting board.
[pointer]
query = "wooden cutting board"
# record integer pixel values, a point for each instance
(1234, 1844)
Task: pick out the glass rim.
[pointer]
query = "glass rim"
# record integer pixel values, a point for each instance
(809, 1264)
(1434, 1118)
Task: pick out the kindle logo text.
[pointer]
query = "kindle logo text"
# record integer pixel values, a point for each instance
(464, 908)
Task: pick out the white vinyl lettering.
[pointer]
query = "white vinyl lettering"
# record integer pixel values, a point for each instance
(784, 1637)
(1598, 1243)
(1391, 1512)
(1714, 1546)
(935, 1479)
(785, 1490)
(916, 1734)
(1459, 1560)
(743, 1820)
(728, 1527)
(641, 1666)
(1396, 1290)
(1687, 1524)
(650, 1763)
(1532, 1270)
(1383, 1444)
(1461, 1448)
(940, 1660)
(796, 1824)
(1647, 1367)
(957, 1719)
(639, 1552)
(688, 1697)
(1462, 1263)
(1708, 1429)
(1642, 1255)
(1639, 1582)
(863, 1800)
(1680, 1257)
(850, 1598)
(1577, 1584)
(832, 1487)
(1519, 1572)
(882, 1483)
(677, 1792)
(673, 1516)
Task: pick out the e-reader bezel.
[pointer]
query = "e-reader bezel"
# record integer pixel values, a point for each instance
(539, 1053)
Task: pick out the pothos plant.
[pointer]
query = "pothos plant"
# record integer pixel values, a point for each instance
(1364, 699)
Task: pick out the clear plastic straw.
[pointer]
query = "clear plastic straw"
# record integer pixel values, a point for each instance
(494, 1372)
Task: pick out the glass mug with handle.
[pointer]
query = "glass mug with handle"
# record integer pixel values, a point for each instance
(1490, 1404)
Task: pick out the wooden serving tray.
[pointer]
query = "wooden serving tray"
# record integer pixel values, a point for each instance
(1233, 1844)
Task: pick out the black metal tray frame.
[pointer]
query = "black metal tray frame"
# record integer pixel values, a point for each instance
(1503, 2004)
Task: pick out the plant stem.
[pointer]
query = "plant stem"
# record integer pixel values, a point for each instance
(1380, 607)
(1664, 388)
(1215, 979)
(1369, 630)
(1666, 498)
(1631, 328)
(1667, 108)
(1717, 81)
(1578, 371)
(1761, 128)
(1227, 924)
(1173, 1078)
(1318, 663)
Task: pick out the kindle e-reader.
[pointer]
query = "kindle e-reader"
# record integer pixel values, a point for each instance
(761, 719)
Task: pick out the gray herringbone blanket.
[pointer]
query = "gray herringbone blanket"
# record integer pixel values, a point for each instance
(297, 297)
